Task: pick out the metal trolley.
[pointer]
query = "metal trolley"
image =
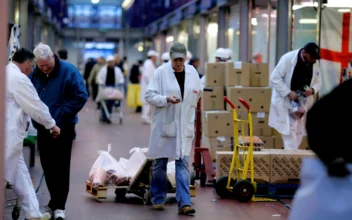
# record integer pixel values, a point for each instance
(118, 106)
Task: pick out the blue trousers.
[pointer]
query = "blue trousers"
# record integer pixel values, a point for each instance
(158, 188)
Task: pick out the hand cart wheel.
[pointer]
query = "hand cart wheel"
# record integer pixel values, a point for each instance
(220, 187)
(147, 197)
(243, 190)
(120, 195)
(16, 212)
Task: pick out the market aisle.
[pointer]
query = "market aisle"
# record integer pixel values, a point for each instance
(93, 136)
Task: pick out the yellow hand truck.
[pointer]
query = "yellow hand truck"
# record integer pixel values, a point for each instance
(240, 189)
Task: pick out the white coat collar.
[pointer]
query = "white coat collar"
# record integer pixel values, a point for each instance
(11, 64)
(295, 57)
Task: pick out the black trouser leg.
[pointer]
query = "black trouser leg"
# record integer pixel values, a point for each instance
(55, 157)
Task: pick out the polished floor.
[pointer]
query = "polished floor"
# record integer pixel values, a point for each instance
(93, 136)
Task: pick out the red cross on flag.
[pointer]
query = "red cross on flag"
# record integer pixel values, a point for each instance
(335, 47)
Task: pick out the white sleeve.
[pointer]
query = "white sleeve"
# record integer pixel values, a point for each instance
(120, 77)
(100, 76)
(277, 78)
(152, 95)
(316, 85)
(27, 98)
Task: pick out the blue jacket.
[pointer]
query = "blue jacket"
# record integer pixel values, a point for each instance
(63, 91)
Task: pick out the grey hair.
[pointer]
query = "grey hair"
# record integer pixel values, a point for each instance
(43, 51)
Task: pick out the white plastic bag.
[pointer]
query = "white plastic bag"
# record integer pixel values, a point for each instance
(297, 108)
(171, 172)
(108, 93)
(136, 161)
(107, 171)
(123, 163)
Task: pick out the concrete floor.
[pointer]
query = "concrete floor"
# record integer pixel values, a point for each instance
(93, 136)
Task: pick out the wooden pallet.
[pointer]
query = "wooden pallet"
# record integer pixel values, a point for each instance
(101, 192)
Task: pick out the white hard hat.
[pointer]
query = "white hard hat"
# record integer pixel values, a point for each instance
(221, 53)
(165, 56)
(189, 55)
(152, 53)
(110, 58)
(229, 52)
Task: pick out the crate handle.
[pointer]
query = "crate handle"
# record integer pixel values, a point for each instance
(229, 102)
(244, 103)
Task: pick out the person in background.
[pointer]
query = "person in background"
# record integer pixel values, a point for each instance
(63, 54)
(195, 63)
(126, 73)
(87, 69)
(92, 80)
(109, 75)
(165, 57)
(327, 177)
(120, 64)
(173, 93)
(148, 71)
(297, 70)
(257, 58)
(135, 76)
(22, 100)
(61, 87)
(188, 57)
(230, 54)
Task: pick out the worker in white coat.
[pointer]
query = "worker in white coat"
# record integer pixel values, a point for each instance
(297, 70)
(22, 100)
(326, 189)
(221, 56)
(173, 94)
(165, 57)
(148, 71)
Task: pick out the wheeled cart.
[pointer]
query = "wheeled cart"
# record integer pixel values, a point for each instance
(118, 106)
(139, 185)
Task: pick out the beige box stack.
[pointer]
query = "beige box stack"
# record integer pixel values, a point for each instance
(270, 165)
(217, 123)
(250, 81)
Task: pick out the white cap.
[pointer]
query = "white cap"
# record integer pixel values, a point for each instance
(229, 52)
(165, 56)
(110, 58)
(152, 53)
(221, 53)
(189, 55)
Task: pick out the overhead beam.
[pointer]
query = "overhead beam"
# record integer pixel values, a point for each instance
(111, 34)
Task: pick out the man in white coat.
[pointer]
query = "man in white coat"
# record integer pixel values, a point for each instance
(148, 71)
(297, 70)
(173, 94)
(22, 100)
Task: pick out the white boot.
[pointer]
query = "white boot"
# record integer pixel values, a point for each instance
(59, 214)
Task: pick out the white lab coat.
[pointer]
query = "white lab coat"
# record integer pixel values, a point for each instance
(101, 77)
(280, 80)
(147, 73)
(172, 125)
(22, 100)
(321, 197)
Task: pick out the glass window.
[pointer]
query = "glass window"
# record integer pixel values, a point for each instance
(234, 31)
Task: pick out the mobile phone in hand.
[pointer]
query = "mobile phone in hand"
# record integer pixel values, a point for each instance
(178, 99)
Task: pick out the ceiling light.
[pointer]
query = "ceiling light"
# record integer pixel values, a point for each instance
(127, 4)
(95, 1)
(343, 10)
(308, 21)
(254, 21)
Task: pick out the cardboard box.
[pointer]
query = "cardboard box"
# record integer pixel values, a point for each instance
(258, 98)
(259, 74)
(261, 165)
(215, 75)
(217, 123)
(213, 100)
(276, 133)
(279, 143)
(260, 123)
(216, 144)
(286, 164)
(237, 74)
(268, 142)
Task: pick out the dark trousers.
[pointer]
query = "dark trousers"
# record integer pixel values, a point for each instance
(87, 87)
(95, 89)
(55, 157)
(109, 104)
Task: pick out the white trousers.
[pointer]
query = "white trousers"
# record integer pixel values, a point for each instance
(146, 112)
(24, 190)
(294, 139)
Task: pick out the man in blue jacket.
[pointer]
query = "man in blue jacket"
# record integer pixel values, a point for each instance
(60, 86)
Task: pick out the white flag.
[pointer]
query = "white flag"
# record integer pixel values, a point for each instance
(335, 47)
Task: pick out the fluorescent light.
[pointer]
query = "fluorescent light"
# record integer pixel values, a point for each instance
(127, 4)
(169, 39)
(308, 21)
(95, 1)
(212, 29)
(343, 10)
(254, 21)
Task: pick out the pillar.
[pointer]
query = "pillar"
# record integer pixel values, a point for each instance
(202, 43)
(37, 30)
(245, 30)
(222, 26)
(23, 21)
(3, 57)
(283, 28)
(30, 26)
(191, 41)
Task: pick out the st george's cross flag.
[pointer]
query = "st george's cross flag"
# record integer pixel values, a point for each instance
(335, 47)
